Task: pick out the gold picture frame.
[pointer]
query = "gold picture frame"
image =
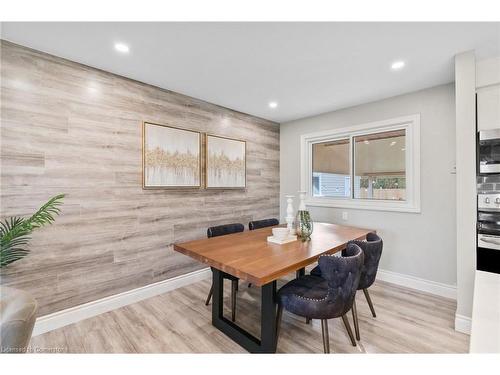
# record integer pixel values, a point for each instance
(234, 164)
(156, 168)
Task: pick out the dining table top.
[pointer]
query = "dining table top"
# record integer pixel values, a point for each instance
(249, 256)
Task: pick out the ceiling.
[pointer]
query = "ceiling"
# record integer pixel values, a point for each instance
(307, 68)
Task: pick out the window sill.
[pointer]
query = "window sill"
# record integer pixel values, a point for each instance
(364, 205)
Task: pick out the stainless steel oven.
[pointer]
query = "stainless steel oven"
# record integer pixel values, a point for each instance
(489, 151)
(488, 232)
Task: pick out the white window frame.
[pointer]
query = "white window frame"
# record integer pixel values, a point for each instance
(411, 124)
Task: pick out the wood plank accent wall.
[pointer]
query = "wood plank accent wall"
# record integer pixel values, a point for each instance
(68, 128)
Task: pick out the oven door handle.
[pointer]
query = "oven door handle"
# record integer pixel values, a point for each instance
(487, 240)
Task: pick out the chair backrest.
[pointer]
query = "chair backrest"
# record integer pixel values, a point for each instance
(372, 249)
(342, 274)
(257, 224)
(222, 230)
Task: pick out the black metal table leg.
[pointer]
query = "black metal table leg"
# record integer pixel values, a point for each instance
(268, 318)
(267, 342)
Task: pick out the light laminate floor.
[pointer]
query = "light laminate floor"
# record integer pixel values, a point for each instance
(179, 322)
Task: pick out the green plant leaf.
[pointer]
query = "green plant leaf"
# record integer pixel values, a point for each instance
(15, 231)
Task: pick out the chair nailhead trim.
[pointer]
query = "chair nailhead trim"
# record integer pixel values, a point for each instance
(314, 299)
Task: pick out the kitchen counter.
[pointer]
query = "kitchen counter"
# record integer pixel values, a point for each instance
(485, 331)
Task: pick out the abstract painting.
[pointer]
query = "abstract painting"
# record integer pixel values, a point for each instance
(171, 157)
(225, 163)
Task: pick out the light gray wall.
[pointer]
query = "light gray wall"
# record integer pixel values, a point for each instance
(421, 245)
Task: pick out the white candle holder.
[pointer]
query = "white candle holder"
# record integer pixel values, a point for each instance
(302, 203)
(289, 214)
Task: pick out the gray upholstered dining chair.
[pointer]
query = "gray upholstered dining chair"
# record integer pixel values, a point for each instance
(324, 297)
(372, 249)
(257, 224)
(222, 230)
(17, 318)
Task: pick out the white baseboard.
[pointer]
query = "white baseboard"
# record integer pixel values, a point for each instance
(463, 323)
(412, 282)
(75, 314)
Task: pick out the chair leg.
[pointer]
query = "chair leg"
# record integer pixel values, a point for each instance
(249, 285)
(209, 295)
(234, 288)
(279, 314)
(237, 286)
(369, 300)
(308, 320)
(355, 319)
(326, 338)
(348, 328)
(300, 273)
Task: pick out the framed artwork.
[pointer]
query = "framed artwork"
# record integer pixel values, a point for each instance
(225, 161)
(171, 157)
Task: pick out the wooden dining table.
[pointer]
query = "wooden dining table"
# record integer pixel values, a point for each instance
(248, 256)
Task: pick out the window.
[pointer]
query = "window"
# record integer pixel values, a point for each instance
(331, 176)
(370, 166)
(379, 166)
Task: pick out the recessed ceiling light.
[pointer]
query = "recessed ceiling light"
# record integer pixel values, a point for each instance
(273, 104)
(122, 47)
(366, 142)
(403, 149)
(396, 65)
(392, 143)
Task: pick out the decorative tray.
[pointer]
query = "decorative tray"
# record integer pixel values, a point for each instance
(290, 238)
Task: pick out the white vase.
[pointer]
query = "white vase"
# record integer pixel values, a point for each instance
(302, 203)
(289, 213)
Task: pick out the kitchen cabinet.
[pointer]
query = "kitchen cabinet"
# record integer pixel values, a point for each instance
(485, 330)
(488, 107)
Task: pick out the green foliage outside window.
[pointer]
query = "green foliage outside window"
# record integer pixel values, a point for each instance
(384, 182)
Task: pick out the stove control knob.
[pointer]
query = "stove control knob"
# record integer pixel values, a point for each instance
(486, 200)
(497, 201)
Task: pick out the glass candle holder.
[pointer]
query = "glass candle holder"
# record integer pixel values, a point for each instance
(303, 225)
